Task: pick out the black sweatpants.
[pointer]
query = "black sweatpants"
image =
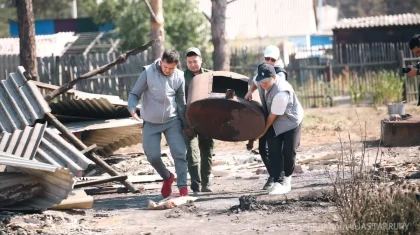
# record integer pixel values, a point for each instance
(282, 153)
(263, 149)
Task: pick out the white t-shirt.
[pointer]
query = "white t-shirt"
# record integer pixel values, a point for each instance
(278, 107)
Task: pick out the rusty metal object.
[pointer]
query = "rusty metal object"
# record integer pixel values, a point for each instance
(216, 108)
(230, 94)
(401, 133)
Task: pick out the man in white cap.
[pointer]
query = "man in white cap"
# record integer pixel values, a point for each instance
(199, 147)
(271, 57)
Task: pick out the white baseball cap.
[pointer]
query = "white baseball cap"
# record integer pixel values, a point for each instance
(272, 52)
(195, 50)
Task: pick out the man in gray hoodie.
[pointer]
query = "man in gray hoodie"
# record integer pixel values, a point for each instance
(162, 88)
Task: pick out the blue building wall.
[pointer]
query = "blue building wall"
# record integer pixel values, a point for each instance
(320, 40)
(314, 40)
(299, 41)
(13, 29)
(46, 27)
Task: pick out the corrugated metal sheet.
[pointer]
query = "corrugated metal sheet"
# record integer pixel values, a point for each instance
(22, 143)
(21, 106)
(44, 145)
(21, 103)
(57, 183)
(252, 19)
(125, 142)
(109, 135)
(379, 21)
(88, 105)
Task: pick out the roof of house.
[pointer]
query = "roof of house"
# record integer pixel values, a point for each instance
(46, 45)
(379, 21)
(250, 19)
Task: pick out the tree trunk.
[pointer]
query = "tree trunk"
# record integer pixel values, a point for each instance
(218, 34)
(156, 24)
(27, 47)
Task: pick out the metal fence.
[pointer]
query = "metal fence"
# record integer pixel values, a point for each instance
(322, 75)
(59, 70)
(319, 75)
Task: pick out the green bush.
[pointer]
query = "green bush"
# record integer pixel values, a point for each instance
(357, 93)
(387, 88)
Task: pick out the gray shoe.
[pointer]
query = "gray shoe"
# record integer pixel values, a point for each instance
(206, 189)
(269, 184)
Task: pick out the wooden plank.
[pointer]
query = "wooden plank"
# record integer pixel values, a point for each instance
(77, 199)
(100, 181)
(107, 190)
(51, 87)
(79, 145)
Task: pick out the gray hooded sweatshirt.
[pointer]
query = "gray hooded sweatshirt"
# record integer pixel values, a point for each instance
(163, 97)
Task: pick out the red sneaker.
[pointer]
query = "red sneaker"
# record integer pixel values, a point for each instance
(183, 192)
(167, 186)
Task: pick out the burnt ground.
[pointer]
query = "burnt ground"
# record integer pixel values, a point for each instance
(238, 205)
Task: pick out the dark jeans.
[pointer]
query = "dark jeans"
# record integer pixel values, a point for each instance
(199, 156)
(282, 153)
(263, 149)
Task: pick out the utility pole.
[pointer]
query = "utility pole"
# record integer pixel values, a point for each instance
(74, 9)
(27, 46)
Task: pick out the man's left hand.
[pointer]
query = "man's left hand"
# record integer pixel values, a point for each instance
(260, 136)
(413, 71)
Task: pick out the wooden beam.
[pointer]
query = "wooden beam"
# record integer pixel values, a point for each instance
(207, 16)
(91, 155)
(100, 191)
(100, 181)
(78, 199)
(121, 59)
(89, 149)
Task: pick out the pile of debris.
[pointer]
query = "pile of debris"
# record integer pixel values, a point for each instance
(45, 147)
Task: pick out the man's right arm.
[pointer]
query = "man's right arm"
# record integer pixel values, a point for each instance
(135, 94)
(415, 70)
(252, 88)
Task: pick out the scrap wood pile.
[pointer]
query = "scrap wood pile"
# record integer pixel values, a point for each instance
(42, 153)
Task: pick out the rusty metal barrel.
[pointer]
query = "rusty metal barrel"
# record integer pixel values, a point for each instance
(216, 108)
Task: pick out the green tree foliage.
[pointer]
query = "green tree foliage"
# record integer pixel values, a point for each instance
(133, 25)
(184, 27)
(108, 11)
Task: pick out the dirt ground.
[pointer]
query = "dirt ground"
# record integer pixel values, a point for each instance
(305, 210)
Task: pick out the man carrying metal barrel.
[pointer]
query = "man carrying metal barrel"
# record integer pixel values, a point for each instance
(199, 147)
(271, 57)
(283, 124)
(162, 89)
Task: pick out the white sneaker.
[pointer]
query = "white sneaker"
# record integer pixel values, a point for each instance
(287, 183)
(278, 189)
(282, 188)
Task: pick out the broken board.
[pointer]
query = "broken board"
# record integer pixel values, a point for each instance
(77, 199)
